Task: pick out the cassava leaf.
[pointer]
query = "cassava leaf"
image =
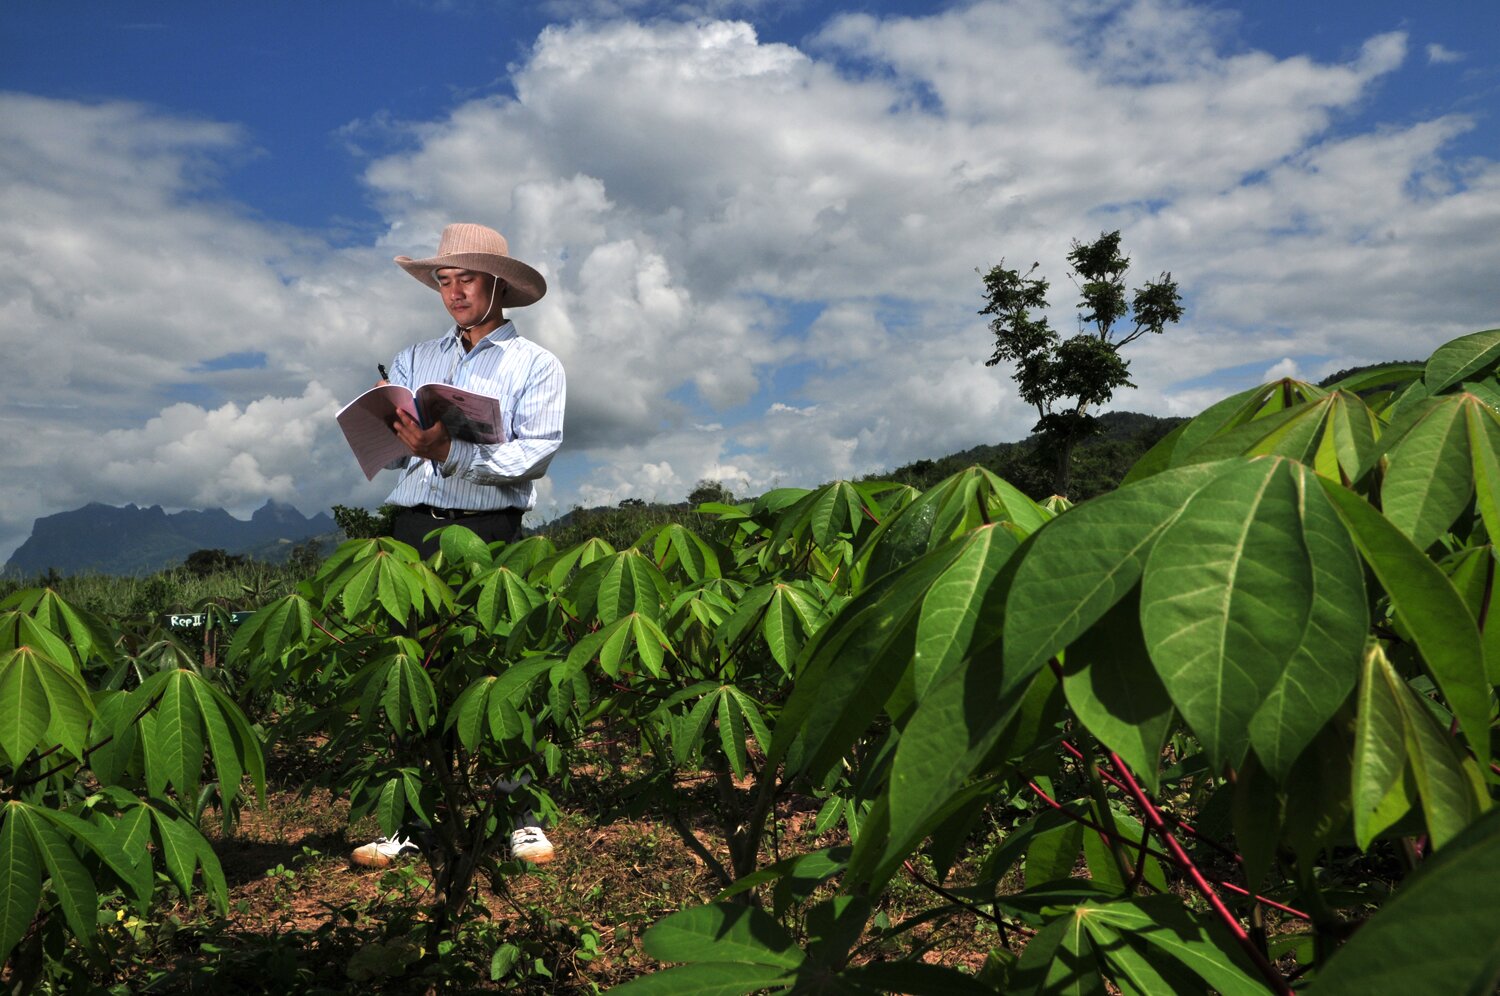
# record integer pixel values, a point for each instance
(1082, 563)
(1254, 612)
(468, 712)
(70, 882)
(1461, 359)
(1484, 447)
(1379, 746)
(20, 878)
(1429, 480)
(631, 584)
(1437, 933)
(1060, 960)
(272, 629)
(1159, 936)
(460, 545)
(24, 707)
(847, 672)
(1449, 798)
(1114, 689)
(1053, 853)
(722, 932)
(732, 734)
(176, 748)
(1431, 610)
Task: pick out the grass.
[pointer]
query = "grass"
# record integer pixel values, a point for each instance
(243, 587)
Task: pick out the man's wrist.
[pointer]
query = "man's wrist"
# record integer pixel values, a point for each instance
(457, 459)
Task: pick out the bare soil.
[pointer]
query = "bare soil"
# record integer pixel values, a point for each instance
(302, 919)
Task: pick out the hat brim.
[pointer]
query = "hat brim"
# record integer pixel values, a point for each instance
(523, 285)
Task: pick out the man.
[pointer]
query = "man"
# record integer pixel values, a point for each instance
(448, 481)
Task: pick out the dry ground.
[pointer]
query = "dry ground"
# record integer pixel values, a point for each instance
(302, 919)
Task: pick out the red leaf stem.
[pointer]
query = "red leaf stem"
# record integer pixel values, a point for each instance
(1171, 818)
(1185, 862)
(327, 632)
(1225, 883)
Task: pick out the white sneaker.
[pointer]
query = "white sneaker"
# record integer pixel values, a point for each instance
(382, 851)
(530, 844)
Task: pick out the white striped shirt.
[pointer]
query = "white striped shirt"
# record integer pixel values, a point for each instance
(532, 390)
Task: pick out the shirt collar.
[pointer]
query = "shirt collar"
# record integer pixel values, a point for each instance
(506, 331)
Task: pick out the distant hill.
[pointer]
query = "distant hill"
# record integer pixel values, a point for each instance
(1334, 378)
(1099, 462)
(131, 540)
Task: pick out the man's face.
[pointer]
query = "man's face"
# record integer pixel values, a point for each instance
(466, 294)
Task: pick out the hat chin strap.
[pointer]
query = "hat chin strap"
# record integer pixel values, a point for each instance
(494, 286)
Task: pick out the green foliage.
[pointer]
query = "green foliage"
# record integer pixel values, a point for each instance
(1064, 378)
(1279, 629)
(408, 666)
(128, 599)
(1281, 618)
(202, 563)
(709, 490)
(1100, 461)
(1447, 909)
(108, 757)
(619, 527)
(361, 523)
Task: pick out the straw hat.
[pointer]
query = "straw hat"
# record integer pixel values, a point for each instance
(483, 250)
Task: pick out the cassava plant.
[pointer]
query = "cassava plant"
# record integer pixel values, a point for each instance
(1251, 692)
(112, 747)
(421, 709)
(716, 625)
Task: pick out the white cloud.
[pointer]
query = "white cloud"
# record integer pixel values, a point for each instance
(1441, 55)
(760, 257)
(121, 277)
(1287, 368)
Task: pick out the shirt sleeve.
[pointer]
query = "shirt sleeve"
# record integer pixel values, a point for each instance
(536, 432)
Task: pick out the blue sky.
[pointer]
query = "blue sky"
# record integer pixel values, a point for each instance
(295, 75)
(760, 221)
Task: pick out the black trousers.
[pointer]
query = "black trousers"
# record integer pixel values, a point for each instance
(411, 525)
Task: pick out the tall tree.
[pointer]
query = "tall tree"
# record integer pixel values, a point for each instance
(1065, 378)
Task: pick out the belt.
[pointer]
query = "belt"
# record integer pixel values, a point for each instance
(463, 513)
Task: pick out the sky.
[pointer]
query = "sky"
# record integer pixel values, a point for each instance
(761, 222)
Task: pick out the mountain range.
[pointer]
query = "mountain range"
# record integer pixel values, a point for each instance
(131, 540)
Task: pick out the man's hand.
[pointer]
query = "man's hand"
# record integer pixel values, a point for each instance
(429, 444)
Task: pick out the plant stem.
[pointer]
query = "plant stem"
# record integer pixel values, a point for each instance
(1176, 821)
(931, 886)
(1162, 855)
(1185, 862)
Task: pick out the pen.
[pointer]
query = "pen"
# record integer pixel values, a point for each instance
(381, 368)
